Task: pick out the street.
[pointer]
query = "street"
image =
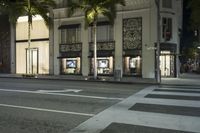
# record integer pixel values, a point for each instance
(55, 106)
(155, 109)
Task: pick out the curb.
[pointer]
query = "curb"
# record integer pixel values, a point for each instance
(82, 80)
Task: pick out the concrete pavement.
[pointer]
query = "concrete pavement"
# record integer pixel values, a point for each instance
(171, 107)
(184, 79)
(110, 79)
(142, 114)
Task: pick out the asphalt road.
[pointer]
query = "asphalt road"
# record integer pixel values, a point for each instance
(55, 106)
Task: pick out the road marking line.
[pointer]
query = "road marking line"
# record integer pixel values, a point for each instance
(45, 110)
(197, 90)
(56, 91)
(175, 93)
(61, 94)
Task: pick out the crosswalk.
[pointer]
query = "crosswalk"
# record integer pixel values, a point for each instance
(155, 109)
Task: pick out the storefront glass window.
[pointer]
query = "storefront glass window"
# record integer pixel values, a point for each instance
(71, 65)
(104, 65)
(132, 65)
(167, 65)
(104, 33)
(71, 35)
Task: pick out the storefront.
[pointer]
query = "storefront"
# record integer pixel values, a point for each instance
(70, 58)
(132, 46)
(70, 49)
(71, 65)
(133, 65)
(105, 48)
(168, 60)
(33, 59)
(105, 58)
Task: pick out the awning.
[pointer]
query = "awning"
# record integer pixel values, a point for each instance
(70, 55)
(132, 53)
(71, 26)
(101, 23)
(168, 46)
(102, 54)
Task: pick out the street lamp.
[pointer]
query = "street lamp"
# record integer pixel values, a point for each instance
(158, 75)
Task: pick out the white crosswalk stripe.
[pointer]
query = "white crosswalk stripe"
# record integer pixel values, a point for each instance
(117, 114)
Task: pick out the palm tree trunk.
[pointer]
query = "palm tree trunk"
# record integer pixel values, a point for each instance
(29, 49)
(29, 37)
(158, 73)
(95, 49)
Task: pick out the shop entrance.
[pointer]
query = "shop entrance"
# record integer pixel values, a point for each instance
(167, 64)
(133, 65)
(32, 61)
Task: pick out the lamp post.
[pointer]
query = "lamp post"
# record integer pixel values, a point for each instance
(158, 74)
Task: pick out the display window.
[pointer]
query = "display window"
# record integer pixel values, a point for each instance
(104, 65)
(132, 65)
(167, 64)
(70, 65)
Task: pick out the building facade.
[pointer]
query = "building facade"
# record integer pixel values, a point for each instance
(5, 46)
(127, 46)
(38, 61)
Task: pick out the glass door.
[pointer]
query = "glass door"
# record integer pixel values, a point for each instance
(32, 61)
(167, 65)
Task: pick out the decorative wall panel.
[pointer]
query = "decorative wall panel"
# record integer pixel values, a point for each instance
(103, 46)
(70, 47)
(132, 33)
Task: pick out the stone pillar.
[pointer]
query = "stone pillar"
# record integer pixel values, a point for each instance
(13, 48)
(118, 43)
(56, 40)
(85, 50)
(51, 47)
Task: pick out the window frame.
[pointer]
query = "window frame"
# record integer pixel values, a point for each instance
(167, 28)
(109, 31)
(67, 35)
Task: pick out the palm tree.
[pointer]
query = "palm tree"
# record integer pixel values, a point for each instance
(29, 8)
(92, 10)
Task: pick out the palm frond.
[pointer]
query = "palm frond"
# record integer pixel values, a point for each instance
(95, 8)
(22, 8)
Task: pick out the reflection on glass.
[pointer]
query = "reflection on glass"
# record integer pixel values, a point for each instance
(71, 65)
(104, 65)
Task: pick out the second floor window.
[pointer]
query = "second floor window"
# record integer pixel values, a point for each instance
(167, 3)
(104, 33)
(167, 28)
(71, 35)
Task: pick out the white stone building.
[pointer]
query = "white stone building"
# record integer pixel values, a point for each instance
(127, 46)
(39, 47)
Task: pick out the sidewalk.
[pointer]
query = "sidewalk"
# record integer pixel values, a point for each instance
(184, 79)
(155, 109)
(110, 79)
